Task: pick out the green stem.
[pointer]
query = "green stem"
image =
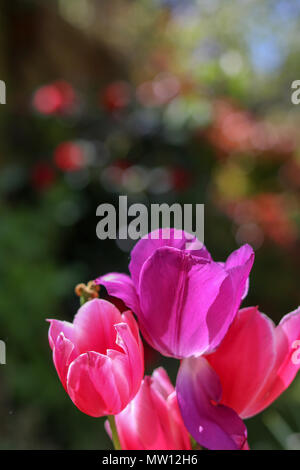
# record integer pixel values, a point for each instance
(194, 444)
(114, 432)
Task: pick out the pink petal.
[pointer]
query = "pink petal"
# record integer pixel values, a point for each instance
(254, 361)
(287, 362)
(174, 434)
(64, 352)
(134, 365)
(128, 318)
(57, 327)
(81, 385)
(290, 326)
(178, 430)
(150, 417)
(152, 420)
(128, 436)
(100, 385)
(244, 359)
(139, 425)
(212, 425)
(94, 324)
(161, 382)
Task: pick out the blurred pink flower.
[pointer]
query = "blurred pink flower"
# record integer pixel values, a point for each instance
(270, 211)
(152, 421)
(234, 131)
(56, 98)
(98, 357)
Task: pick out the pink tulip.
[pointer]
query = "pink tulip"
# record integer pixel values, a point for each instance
(98, 357)
(255, 361)
(253, 365)
(152, 420)
(184, 301)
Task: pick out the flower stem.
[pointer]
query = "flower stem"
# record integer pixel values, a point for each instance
(114, 432)
(194, 444)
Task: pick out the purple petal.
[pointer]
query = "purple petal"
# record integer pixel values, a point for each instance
(246, 290)
(120, 286)
(245, 293)
(176, 293)
(226, 305)
(148, 244)
(239, 257)
(199, 392)
(239, 265)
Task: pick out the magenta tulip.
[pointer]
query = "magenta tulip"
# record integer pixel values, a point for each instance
(98, 357)
(184, 301)
(152, 421)
(253, 365)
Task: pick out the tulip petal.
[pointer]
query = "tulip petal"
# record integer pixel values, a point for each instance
(239, 265)
(177, 291)
(255, 360)
(81, 388)
(199, 391)
(162, 382)
(133, 354)
(129, 439)
(245, 293)
(290, 326)
(120, 286)
(139, 424)
(100, 385)
(128, 318)
(244, 359)
(287, 364)
(239, 257)
(152, 420)
(178, 430)
(173, 238)
(57, 327)
(94, 324)
(64, 352)
(62, 337)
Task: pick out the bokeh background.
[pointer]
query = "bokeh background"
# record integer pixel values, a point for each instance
(161, 100)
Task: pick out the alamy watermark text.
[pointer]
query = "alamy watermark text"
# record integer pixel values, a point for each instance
(137, 220)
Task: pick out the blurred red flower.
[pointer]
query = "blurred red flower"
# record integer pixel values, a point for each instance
(69, 156)
(42, 176)
(116, 96)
